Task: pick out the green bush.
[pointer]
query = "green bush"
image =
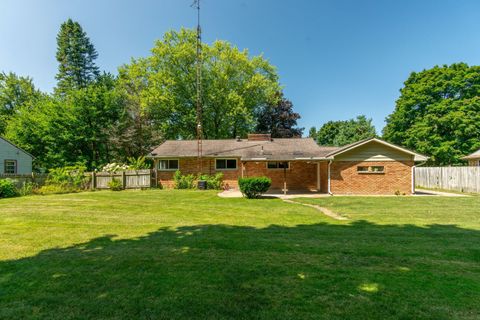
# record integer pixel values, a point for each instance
(56, 189)
(69, 177)
(253, 187)
(115, 185)
(189, 181)
(27, 188)
(139, 163)
(184, 182)
(7, 188)
(213, 182)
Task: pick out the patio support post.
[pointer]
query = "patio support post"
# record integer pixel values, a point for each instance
(284, 180)
(329, 182)
(318, 176)
(155, 172)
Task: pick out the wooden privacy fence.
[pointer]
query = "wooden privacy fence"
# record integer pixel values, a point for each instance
(464, 179)
(132, 179)
(20, 179)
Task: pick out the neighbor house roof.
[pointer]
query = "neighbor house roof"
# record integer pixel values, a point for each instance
(274, 149)
(416, 156)
(17, 147)
(475, 155)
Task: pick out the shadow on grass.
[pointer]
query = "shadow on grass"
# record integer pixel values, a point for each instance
(355, 271)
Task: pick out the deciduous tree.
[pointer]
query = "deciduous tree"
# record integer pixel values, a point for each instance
(15, 92)
(234, 86)
(438, 113)
(340, 133)
(279, 119)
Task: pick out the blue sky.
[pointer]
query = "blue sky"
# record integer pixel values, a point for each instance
(336, 59)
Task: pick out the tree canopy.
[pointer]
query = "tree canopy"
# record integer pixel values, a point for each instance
(438, 113)
(343, 132)
(279, 119)
(15, 92)
(234, 86)
(95, 118)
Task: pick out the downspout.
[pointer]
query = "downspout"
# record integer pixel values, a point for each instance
(329, 189)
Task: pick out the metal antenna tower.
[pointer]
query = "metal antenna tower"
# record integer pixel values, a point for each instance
(196, 5)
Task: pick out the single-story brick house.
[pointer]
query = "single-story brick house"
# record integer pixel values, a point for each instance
(473, 159)
(370, 166)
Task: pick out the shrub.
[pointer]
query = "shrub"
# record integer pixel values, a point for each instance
(114, 167)
(213, 182)
(138, 163)
(70, 176)
(7, 188)
(115, 185)
(56, 189)
(27, 188)
(184, 182)
(253, 187)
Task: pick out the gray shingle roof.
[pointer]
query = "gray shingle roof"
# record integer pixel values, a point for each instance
(276, 149)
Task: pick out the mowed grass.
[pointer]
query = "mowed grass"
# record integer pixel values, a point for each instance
(190, 255)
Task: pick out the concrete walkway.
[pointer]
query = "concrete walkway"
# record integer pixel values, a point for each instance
(290, 195)
(425, 192)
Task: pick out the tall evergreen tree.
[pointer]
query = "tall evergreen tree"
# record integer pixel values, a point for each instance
(278, 119)
(76, 57)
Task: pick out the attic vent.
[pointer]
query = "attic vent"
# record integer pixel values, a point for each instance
(297, 153)
(259, 137)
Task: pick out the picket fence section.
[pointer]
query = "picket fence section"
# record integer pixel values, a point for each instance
(132, 179)
(463, 179)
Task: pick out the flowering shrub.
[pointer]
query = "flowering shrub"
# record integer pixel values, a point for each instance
(114, 167)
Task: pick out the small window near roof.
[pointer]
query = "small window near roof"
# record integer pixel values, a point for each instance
(378, 169)
(168, 164)
(277, 165)
(10, 166)
(225, 164)
(371, 169)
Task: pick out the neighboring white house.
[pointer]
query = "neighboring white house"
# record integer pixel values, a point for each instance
(13, 159)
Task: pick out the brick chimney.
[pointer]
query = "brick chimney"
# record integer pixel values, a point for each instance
(259, 137)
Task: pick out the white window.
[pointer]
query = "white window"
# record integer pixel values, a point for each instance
(225, 164)
(168, 165)
(278, 165)
(10, 166)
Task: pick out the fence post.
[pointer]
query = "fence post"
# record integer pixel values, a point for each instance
(94, 180)
(124, 180)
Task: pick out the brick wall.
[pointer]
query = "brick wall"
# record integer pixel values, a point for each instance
(300, 176)
(190, 166)
(346, 180)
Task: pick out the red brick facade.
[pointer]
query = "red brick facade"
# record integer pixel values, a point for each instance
(302, 175)
(345, 179)
(191, 166)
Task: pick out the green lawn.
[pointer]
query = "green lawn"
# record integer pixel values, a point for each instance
(191, 255)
